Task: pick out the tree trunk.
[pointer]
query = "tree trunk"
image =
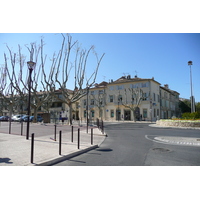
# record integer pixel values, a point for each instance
(35, 115)
(70, 114)
(134, 118)
(10, 120)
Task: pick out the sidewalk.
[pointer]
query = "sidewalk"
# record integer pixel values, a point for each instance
(15, 150)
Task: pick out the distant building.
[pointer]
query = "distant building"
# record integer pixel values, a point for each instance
(169, 102)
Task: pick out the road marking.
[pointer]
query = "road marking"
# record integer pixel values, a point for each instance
(172, 141)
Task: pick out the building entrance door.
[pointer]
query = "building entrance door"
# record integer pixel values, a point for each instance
(118, 115)
(127, 115)
(137, 113)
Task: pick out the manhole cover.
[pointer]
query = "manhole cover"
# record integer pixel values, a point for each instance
(161, 150)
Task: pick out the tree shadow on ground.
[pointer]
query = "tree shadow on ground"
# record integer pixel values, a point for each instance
(5, 160)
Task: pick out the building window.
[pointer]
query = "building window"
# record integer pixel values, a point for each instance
(111, 98)
(120, 87)
(158, 113)
(56, 104)
(112, 113)
(158, 98)
(145, 95)
(92, 113)
(92, 102)
(167, 104)
(137, 85)
(60, 96)
(145, 113)
(112, 88)
(154, 96)
(101, 92)
(100, 101)
(145, 84)
(84, 102)
(154, 112)
(85, 113)
(120, 98)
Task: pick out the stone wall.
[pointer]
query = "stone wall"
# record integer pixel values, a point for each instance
(178, 123)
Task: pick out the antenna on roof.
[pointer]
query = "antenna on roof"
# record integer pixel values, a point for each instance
(125, 74)
(136, 74)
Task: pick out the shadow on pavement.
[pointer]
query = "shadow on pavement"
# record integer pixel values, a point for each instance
(5, 160)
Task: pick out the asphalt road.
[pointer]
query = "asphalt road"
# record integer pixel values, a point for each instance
(127, 145)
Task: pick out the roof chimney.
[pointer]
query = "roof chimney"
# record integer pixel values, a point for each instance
(166, 86)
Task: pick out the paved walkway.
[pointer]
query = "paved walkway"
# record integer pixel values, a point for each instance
(15, 150)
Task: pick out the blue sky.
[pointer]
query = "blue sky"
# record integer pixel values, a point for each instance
(163, 56)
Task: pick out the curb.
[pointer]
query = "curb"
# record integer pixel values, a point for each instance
(63, 158)
(158, 126)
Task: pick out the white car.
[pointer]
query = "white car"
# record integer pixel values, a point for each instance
(16, 118)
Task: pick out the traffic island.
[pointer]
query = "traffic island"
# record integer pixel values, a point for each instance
(178, 123)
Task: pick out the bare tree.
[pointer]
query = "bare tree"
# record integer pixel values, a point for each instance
(65, 64)
(7, 92)
(133, 98)
(18, 80)
(14, 81)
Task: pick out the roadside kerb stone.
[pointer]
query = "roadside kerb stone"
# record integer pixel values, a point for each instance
(157, 125)
(178, 123)
(65, 157)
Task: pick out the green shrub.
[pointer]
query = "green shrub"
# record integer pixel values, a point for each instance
(194, 115)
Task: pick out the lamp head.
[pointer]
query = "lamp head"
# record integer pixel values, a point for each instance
(31, 64)
(189, 62)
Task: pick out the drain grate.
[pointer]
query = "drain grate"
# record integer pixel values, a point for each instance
(161, 150)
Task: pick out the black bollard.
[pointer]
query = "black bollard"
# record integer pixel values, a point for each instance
(32, 146)
(60, 139)
(91, 136)
(102, 129)
(21, 127)
(78, 138)
(55, 133)
(72, 134)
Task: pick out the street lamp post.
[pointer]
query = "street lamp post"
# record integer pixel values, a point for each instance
(31, 65)
(87, 109)
(192, 97)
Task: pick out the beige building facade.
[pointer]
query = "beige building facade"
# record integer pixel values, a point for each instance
(117, 101)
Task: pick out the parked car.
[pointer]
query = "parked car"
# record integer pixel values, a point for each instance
(39, 118)
(16, 118)
(24, 118)
(4, 118)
